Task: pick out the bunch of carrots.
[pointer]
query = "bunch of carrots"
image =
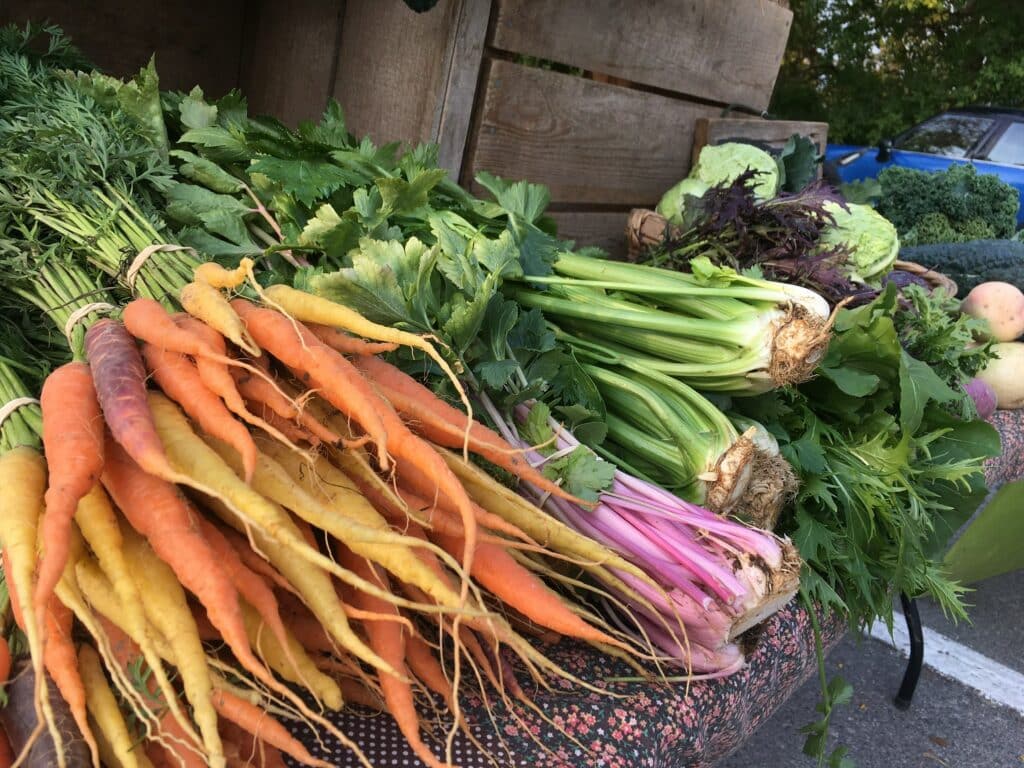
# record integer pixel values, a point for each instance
(243, 516)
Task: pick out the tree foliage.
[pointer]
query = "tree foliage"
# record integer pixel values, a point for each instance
(872, 68)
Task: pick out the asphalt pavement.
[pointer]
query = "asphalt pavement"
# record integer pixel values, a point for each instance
(968, 711)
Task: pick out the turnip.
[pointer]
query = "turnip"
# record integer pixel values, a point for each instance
(983, 396)
(1001, 304)
(1005, 375)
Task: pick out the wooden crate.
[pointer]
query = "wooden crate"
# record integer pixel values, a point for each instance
(598, 99)
(773, 133)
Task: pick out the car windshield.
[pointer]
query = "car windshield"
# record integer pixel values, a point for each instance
(948, 135)
(1009, 149)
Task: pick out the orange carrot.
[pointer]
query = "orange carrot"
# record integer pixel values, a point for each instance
(422, 662)
(179, 379)
(147, 320)
(260, 724)
(61, 660)
(157, 511)
(257, 390)
(253, 561)
(425, 488)
(289, 429)
(248, 752)
(388, 639)
(498, 572)
(444, 424)
(216, 374)
(177, 748)
(340, 341)
(356, 692)
(120, 379)
(6, 752)
(249, 585)
(323, 368)
(73, 440)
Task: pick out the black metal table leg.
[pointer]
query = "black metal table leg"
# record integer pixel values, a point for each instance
(913, 672)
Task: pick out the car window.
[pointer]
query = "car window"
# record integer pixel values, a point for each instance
(947, 135)
(1009, 148)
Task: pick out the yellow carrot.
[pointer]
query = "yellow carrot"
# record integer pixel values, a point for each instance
(98, 523)
(198, 465)
(304, 672)
(167, 608)
(23, 483)
(312, 583)
(381, 545)
(204, 302)
(103, 709)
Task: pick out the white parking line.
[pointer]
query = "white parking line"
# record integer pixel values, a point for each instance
(949, 658)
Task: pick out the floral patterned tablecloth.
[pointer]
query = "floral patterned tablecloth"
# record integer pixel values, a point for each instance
(646, 725)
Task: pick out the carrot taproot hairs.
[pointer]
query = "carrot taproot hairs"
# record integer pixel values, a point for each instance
(333, 374)
(179, 379)
(258, 390)
(73, 441)
(120, 380)
(443, 424)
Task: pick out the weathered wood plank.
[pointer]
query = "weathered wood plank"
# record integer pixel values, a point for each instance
(197, 41)
(392, 68)
(605, 229)
(288, 57)
(455, 113)
(774, 133)
(728, 51)
(589, 142)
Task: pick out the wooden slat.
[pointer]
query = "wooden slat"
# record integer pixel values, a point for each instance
(774, 133)
(196, 41)
(589, 142)
(455, 113)
(392, 67)
(728, 51)
(288, 57)
(604, 229)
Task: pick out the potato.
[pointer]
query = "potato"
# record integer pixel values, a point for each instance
(1002, 305)
(1006, 375)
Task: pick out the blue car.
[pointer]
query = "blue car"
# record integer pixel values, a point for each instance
(989, 137)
